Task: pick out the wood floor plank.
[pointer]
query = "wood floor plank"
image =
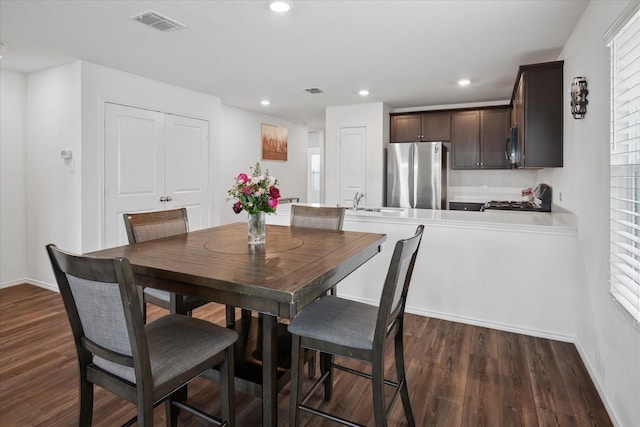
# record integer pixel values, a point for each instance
(481, 408)
(582, 393)
(549, 390)
(458, 375)
(515, 391)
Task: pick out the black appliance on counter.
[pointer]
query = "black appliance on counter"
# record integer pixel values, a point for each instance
(542, 193)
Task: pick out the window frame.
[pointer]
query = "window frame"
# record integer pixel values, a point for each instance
(624, 161)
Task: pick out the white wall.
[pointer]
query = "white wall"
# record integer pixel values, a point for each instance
(606, 335)
(375, 118)
(13, 186)
(240, 149)
(53, 192)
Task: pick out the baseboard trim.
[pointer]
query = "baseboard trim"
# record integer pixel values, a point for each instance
(37, 283)
(594, 378)
(494, 325)
(478, 322)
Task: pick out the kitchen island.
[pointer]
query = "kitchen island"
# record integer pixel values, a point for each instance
(506, 270)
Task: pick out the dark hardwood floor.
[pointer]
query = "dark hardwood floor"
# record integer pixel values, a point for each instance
(458, 375)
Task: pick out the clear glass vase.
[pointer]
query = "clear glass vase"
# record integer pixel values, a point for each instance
(257, 228)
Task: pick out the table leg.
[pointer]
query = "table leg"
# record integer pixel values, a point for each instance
(269, 373)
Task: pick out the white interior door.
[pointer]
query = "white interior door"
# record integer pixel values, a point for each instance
(352, 171)
(314, 179)
(187, 167)
(153, 161)
(134, 166)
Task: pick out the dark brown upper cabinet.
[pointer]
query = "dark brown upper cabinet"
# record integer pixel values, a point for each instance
(424, 126)
(465, 144)
(537, 103)
(480, 139)
(494, 138)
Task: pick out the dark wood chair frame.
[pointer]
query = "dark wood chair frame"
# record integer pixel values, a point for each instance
(118, 270)
(389, 326)
(134, 220)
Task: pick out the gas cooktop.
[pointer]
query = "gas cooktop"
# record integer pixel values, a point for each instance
(513, 205)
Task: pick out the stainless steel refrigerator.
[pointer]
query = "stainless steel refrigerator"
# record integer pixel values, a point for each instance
(417, 175)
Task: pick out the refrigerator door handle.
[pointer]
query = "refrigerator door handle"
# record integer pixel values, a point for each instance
(412, 176)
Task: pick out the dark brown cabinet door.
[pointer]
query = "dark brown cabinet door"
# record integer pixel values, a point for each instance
(436, 126)
(406, 128)
(416, 127)
(494, 135)
(465, 141)
(538, 103)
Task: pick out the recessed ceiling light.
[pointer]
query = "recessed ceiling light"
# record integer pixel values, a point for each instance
(363, 92)
(265, 102)
(279, 6)
(464, 82)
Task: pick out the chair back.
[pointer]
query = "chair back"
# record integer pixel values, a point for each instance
(103, 307)
(396, 285)
(154, 225)
(328, 218)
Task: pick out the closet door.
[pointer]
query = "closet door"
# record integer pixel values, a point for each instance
(153, 161)
(187, 167)
(134, 166)
(352, 172)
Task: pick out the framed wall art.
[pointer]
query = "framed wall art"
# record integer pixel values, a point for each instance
(274, 142)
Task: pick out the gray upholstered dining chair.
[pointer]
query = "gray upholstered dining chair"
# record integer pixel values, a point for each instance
(327, 218)
(337, 326)
(144, 364)
(155, 225)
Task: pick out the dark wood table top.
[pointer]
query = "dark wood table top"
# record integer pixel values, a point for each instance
(295, 266)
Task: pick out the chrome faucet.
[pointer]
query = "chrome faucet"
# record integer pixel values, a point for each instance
(356, 200)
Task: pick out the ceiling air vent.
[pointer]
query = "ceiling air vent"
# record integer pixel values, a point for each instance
(314, 90)
(157, 21)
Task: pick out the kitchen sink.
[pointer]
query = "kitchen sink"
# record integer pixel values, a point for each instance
(378, 210)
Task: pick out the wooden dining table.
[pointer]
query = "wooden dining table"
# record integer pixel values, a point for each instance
(278, 279)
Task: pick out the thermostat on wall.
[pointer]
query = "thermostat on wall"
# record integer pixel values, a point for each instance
(66, 154)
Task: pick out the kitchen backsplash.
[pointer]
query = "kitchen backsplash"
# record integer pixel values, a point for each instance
(488, 185)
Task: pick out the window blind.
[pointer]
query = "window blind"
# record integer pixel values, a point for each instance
(624, 258)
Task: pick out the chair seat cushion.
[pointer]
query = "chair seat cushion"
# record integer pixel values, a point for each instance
(337, 320)
(176, 343)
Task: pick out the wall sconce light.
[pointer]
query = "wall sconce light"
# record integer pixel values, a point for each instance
(579, 94)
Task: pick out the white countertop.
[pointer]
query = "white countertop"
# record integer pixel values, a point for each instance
(538, 222)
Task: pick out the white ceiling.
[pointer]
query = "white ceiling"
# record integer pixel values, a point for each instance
(407, 53)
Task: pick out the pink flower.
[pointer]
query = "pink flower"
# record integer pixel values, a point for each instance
(272, 202)
(247, 190)
(274, 192)
(242, 178)
(237, 207)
